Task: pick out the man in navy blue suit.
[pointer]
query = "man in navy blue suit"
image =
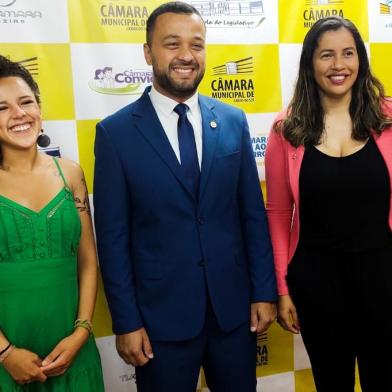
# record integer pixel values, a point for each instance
(182, 233)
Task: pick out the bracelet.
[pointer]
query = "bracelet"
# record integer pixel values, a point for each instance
(5, 354)
(3, 351)
(84, 324)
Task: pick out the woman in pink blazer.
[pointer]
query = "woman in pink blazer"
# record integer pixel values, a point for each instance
(329, 176)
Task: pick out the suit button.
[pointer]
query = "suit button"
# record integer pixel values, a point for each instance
(201, 263)
(200, 220)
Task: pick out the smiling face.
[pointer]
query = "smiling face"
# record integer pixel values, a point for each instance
(336, 64)
(177, 54)
(20, 114)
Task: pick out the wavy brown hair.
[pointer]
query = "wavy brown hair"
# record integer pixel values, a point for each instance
(304, 124)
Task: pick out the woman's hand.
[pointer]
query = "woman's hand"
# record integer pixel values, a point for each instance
(287, 314)
(24, 366)
(59, 360)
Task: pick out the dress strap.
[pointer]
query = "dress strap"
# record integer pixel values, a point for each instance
(60, 172)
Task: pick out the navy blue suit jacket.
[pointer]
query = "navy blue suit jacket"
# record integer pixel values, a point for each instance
(160, 249)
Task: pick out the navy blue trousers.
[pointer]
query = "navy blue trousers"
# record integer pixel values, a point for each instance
(228, 360)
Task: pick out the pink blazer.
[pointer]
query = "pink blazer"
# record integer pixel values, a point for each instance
(282, 168)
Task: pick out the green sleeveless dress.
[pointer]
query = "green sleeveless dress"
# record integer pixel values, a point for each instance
(39, 289)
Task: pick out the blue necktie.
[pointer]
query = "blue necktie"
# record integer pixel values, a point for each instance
(187, 145)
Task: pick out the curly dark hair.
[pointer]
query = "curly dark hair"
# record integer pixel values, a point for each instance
(10, 68)
(304, 124)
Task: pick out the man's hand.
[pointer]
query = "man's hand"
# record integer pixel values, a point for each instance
(262, 315)
(134, 347)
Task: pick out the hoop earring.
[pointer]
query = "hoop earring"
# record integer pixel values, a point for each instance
(43, 140)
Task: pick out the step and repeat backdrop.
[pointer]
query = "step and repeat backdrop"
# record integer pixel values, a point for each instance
(87, 58)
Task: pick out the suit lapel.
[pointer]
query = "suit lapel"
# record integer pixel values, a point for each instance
(211, 129)
(150, 127)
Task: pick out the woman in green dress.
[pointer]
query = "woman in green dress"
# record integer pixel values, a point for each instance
(48, 265)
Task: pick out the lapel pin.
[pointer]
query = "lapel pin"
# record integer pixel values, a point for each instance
(213, 124)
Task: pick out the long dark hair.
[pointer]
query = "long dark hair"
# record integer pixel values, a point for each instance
(304, 124)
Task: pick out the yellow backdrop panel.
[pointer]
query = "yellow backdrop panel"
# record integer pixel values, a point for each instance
(380, 55)
(296, 17)
(246, 76)
(109, 21)
(50, 65)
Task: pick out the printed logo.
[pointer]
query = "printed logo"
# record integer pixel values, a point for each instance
(262, 349)
(231, 13)
(126, 82)
(52, 151)
(130, 17)
(386, 7)
(232, 84)
(6, 3)
(31, 65)
(323, 2)
(127, 378)
(386, 13)
(319, 9)
(259, 144)
(17, 16)
(244, 66)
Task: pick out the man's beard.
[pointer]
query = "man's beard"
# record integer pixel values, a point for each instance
(177, 89)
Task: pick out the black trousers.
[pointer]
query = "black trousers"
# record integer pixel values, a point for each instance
(344, 303)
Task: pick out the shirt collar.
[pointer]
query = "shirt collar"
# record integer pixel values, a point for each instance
(166, 105)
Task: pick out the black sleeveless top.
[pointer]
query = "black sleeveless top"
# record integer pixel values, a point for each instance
(344, 201)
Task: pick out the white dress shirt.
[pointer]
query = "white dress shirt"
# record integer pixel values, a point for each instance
(164, 107)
